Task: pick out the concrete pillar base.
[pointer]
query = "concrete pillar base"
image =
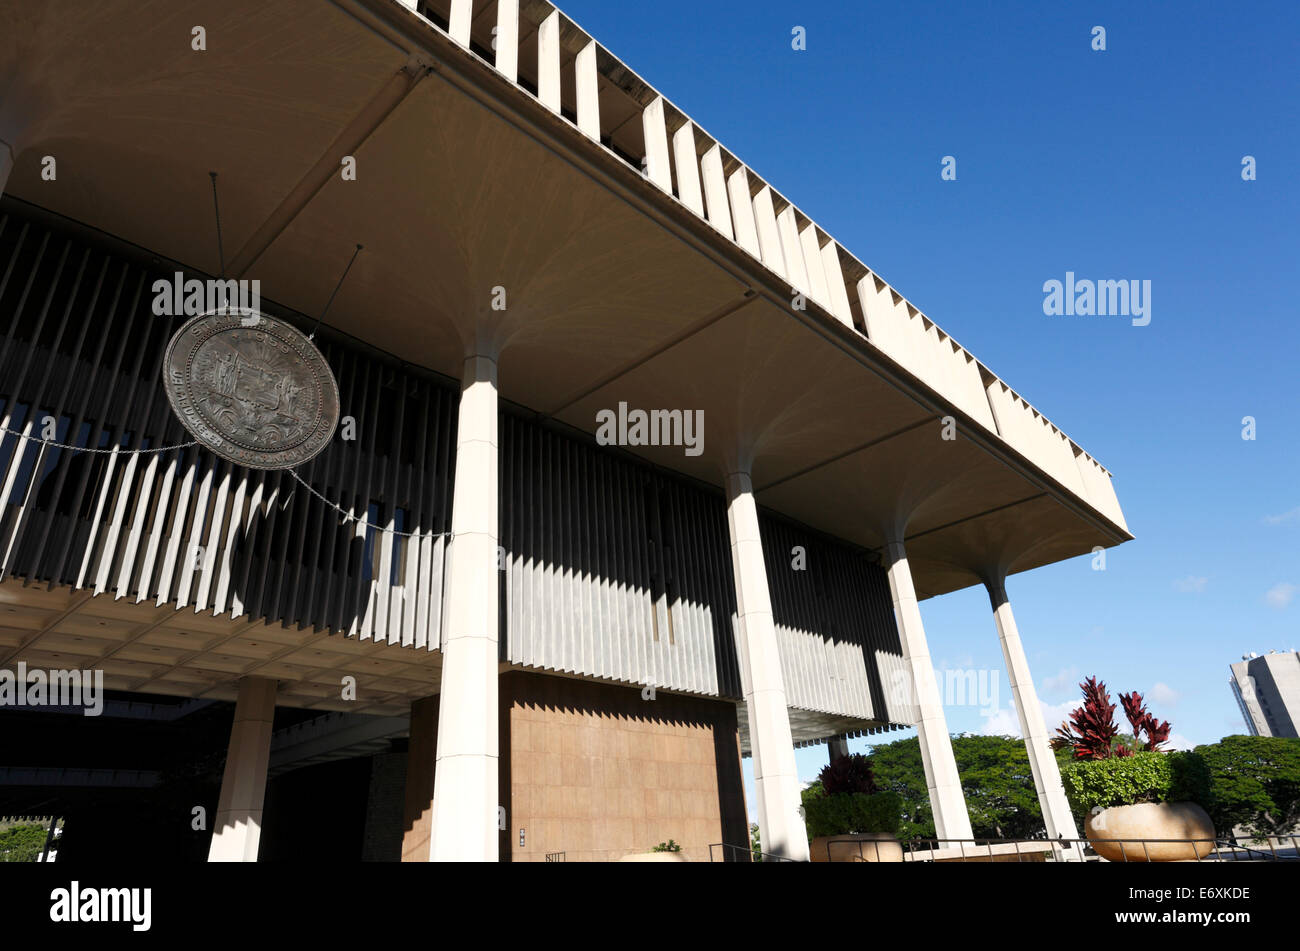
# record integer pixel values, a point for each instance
(951, 819)
(1042, 762)
(464, 825)
(237, 828)
(776, 778)
(837, 747)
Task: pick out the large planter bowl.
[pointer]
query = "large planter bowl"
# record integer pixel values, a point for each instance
(653, 857)
(1139, 825)
(856, 847)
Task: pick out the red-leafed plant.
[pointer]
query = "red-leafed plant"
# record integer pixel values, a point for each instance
(1156, 731)
(1091, 732)
(848, 774)
(1091, 729)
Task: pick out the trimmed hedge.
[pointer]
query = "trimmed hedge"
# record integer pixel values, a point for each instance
(844, 813)
(1142, 777)
(22, 843)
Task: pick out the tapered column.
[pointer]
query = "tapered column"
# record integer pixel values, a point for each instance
(780, 821)
(837, 747)
(464, 825)
(951, 821)
(237, 830)
(1047, 776)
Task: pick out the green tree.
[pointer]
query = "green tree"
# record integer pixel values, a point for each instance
(22, 843)
(1255, 783)
(995, 778)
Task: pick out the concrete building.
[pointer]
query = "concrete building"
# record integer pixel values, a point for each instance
(1267, 688)
(552, 644)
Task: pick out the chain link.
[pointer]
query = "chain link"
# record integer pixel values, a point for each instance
(347, 516)
(109, 451)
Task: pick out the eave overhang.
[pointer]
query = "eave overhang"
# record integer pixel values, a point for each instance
(617, 291)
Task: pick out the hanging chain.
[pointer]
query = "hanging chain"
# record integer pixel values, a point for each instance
(348, 517)
(108, 451)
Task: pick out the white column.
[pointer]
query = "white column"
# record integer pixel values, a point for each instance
(588, 91)
(237, 829)
(548, 62)
(654, 123)
(1047, 776)
(743, 208)
(464, 824)
(787, 227)
(715, 191)
(460, 21)
(507, 47)
(769, 238)
(835, 280)
(951, 820)
(780, 822)
(688, 168)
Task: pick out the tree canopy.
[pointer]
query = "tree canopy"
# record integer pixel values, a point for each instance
(1256, 783)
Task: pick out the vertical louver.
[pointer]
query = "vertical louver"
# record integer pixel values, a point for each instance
(835, 625)
(611, 568)
(80, 364)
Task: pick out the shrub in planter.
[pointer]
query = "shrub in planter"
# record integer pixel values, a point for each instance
(853, 827)
(844, 805)
(1144, 777)
(846, 813)
(1130, 800)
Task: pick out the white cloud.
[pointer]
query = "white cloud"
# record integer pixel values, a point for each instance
(1065, 677)
(1191, 584)
(1005, 722)
(1164, 695)
(1280, 595)
(1291, 516)
(1002, 723)
(1057, 713)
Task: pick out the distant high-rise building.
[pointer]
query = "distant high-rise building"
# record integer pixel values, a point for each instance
(1267, 689)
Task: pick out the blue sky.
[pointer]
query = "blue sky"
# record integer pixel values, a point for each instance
(1122, 164)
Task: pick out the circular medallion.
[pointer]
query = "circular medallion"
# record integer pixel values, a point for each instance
(252, 389)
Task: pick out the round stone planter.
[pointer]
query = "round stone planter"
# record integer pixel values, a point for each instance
(654, 857)
(1139, 825)
(856, 847)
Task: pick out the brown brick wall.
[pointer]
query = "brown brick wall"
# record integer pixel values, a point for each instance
(595, 771)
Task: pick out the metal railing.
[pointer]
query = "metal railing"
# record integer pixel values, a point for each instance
(986, 850)
(742, 853)
(1058, 850)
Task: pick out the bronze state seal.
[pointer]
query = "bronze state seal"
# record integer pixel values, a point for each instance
(252, 389)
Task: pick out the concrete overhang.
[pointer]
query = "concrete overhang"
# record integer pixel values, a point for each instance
(616, 291)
